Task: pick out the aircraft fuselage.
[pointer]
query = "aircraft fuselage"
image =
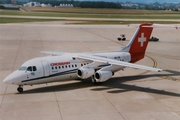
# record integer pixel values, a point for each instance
(57, 68)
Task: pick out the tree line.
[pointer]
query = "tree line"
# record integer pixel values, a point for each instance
(98, 4)
(82, 4)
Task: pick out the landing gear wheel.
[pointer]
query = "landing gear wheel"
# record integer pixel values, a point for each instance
(20, 89)
(93, 79)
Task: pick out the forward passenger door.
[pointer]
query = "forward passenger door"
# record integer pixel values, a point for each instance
(46, 69)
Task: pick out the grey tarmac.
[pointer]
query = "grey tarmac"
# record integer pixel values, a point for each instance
(131, 94)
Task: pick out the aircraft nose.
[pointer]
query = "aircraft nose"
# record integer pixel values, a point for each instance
(12, 78)
(8, 79)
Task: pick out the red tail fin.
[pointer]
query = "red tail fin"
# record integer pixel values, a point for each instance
(139, 42)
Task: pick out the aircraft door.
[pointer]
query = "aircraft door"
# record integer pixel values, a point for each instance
(46, 70)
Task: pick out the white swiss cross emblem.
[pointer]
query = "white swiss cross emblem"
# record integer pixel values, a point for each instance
(142, 39)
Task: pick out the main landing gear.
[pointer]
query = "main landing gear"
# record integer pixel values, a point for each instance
(93, 79)
(20, 89)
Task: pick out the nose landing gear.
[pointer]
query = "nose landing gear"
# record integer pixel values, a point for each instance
(20, 89)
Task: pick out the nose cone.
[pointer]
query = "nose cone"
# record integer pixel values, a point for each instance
(8, 79)
(11, 79)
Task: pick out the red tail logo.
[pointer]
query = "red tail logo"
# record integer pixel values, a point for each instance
(140, 41)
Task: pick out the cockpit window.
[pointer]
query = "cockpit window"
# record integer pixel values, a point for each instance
(29, 68)
(22, 68)
(34, 68)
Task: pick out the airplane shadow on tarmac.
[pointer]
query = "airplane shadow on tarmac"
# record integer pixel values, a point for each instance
(110, 85)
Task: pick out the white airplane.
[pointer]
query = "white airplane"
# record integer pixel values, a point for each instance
(100, 66)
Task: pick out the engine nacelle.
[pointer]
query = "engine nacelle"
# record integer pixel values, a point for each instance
(84, 73)
(102, 76)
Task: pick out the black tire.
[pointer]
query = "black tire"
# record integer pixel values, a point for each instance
(119, 39)
(123, 39)
(20, 89)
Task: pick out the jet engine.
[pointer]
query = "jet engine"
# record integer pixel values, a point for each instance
(102, 76)
(84, 73)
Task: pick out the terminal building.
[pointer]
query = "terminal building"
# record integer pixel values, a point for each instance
(65, 6)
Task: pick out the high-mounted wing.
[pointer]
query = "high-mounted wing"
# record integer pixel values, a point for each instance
(115, 62)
